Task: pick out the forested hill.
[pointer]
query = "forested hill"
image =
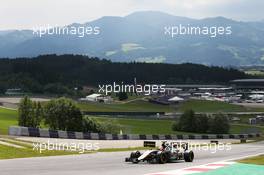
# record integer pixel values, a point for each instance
(42, 72)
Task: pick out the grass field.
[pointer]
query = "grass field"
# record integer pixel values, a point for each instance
(238, 128)
(211, 106)
(7, 118)
(134, 106)
(144, 106)
(140, 126)
(259, 160)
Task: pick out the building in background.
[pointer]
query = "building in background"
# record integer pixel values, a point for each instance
(97, 98)
(247, 84)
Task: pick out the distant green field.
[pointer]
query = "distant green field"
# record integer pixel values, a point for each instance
(134, 106)
(141, 126)
(144, 106)
(238, 128)
(7, 118)
(212, 106)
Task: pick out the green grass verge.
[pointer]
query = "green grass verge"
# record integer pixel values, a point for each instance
(8, 152)
(259, 160)
(7, 118)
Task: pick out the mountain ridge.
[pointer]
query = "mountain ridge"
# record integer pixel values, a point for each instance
(140, 37)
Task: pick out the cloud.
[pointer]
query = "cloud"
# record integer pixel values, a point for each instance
(29, 13)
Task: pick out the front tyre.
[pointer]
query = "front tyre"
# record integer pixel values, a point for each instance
(188, 156)
(134, 157)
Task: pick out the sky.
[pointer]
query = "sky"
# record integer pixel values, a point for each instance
(27, 14)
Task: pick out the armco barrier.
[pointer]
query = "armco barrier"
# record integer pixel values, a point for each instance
(36, 132)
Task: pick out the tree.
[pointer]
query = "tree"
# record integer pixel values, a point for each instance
(91, 125)
(187, 122)
(57, 88)
(201, 123)
(37, 114)
(122, 96)
(59, 74)
(63, 114)
(29, 113)
(219, 124)
(24, 111)
(2, 88)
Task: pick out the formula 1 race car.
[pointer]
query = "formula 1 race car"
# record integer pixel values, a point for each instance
(169, 152)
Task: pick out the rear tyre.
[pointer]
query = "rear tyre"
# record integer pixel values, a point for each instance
(188, 156)
(162, 158)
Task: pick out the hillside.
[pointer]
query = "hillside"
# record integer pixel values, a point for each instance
(58, 74)
(140, 37)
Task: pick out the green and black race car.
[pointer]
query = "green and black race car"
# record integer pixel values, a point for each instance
(169, 152)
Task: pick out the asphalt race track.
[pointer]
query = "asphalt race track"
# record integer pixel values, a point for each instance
(113, 163)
